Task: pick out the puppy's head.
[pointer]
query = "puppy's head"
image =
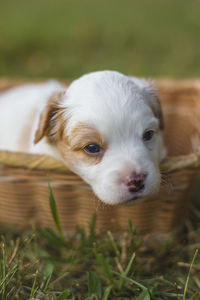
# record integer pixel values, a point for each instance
(106, 128)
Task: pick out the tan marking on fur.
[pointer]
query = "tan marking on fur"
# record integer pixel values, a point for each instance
(157, 110)
(72, 157)
(84, 134)
(72, 151)
(52, 125)
(50, 118)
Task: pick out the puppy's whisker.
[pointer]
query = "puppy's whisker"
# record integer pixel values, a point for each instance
(99, 205)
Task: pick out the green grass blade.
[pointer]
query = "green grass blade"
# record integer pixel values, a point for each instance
(50, 236)
(195, 294)
(134, 282)
(103, 262)
(47, 281)
(55, 212)
(189, 274)
(126, 271)
(144, 295)
(114, 244)
(33, 290)
(94, 285)
(3, 267)
(64, 295)
(107, 292)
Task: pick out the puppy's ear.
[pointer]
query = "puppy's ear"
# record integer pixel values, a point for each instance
(49, 119)
(154, 103)
(151, 98)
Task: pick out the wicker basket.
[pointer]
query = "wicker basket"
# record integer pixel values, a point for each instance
(23, 177)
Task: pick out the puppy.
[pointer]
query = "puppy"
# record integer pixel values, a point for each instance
(106, 127)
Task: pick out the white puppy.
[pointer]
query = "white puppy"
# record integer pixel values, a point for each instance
(105, 126)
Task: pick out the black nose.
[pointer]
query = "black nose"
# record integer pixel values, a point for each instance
(135, 182)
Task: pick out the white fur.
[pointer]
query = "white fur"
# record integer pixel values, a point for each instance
(116, 105)
(20, 107)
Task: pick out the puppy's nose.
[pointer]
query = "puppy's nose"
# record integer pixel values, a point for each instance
(135, 182)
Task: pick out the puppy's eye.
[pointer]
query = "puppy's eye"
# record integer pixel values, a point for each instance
(147, 136)
(92, 149)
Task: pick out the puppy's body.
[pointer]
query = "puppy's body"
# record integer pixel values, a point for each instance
(105, 126)
(20, 109)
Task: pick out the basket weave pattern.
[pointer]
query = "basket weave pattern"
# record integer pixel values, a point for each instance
(23, 177)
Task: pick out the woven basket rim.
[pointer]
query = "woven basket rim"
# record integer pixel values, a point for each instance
(44, 162)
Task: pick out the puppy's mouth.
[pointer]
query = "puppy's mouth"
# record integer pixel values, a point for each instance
(135, 199)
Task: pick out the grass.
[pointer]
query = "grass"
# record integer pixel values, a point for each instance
(40, 263)
(66, 38)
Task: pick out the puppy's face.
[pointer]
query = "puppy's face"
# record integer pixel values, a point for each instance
(106, 128)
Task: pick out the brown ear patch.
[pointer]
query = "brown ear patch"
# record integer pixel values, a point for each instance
(50, 119)
(154, 103)
(157, 110)
(152, 99)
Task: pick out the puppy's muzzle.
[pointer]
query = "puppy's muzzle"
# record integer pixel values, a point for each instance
(135, 182)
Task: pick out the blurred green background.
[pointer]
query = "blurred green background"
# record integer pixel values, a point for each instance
(66, 38)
